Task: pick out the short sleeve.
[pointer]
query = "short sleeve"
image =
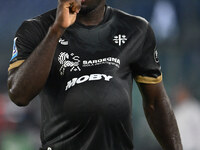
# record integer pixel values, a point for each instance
(147, 68)
(27, 37)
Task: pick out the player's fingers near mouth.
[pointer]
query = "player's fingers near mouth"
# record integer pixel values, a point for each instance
(77, 6)
(65, 3)
(73, 5)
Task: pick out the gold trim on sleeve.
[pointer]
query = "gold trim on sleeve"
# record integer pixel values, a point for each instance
(148, 80)
(15, 64)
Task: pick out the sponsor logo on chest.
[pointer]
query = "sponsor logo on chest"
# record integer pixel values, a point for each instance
(86, 78)
(72, 61)
(108, 60)
(68, 61)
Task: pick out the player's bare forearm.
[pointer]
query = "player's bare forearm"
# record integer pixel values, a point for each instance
(25, 82)
(160, 116)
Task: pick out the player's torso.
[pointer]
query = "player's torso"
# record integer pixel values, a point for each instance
(91, 76)
(91, 69)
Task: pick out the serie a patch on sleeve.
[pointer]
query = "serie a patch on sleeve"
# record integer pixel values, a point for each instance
(15, 51)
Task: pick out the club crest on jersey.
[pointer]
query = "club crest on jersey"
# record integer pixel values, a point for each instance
(120, 39)
(68, 61)
(15, 51)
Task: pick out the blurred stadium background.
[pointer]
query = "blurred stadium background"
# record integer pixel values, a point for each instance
(177, 27)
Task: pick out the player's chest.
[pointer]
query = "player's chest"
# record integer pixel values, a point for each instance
(87, 58)
(84, 51)
(76, 56)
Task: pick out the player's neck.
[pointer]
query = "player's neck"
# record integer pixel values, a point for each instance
(92, 18)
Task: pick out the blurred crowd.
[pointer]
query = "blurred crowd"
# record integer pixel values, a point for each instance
(176, 25)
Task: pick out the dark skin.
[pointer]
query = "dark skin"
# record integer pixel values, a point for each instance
(160, 115)
(24, 83)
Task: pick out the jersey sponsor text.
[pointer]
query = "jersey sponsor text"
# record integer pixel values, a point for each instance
(108, 60)
(86, 78)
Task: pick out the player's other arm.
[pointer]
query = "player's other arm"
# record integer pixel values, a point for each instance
(27, 80)
(160, 115)
(147, 73)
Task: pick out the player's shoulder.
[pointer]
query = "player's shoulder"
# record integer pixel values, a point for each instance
(47, 17)
(40, 22)
(130, 19)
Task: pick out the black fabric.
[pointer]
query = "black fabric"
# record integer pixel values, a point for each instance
(86, 102)
(31, 33)
(148, 62)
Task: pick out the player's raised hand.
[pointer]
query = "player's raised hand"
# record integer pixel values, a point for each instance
(66, 13)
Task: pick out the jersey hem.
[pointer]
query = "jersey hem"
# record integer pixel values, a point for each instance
(148, 80)
(16, 64)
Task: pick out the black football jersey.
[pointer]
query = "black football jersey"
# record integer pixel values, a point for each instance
(86, 103)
